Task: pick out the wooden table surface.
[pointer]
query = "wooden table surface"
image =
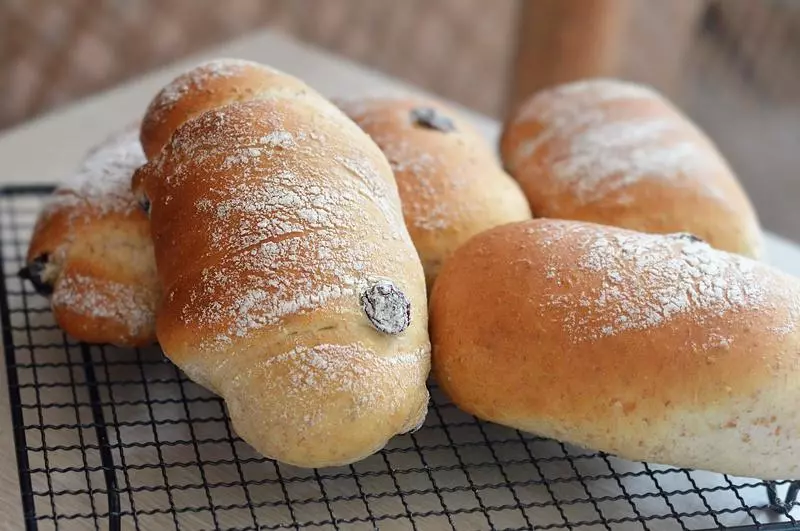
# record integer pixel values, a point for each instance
(43, 150)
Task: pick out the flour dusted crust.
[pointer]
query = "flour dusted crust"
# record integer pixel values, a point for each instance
(91, 250)
(618, 153)
(211, 84)
(652, 347)
(450, 182)
(291, 285)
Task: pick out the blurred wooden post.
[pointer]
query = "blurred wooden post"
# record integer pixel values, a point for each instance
(659, 36)
(564, 40)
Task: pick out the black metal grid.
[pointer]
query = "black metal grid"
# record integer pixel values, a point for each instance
(109, 438)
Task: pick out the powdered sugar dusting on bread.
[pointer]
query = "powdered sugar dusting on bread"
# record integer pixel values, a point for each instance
(606, 89)
(335, 363)
(575, 105)
(277, 226)
(257, 290)
(595, 170)
(192, 81)
(98, 298)
(605, 153)
(221, 138)
(422, 174)
(326, 374)
(715, 340)
(103, 180)
(282, 139)
(649, 280)
(98, 217)
(792, 319)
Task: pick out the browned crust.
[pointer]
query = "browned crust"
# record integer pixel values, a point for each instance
(504, 353)
(96, 242)
(111, 249)
(726, 218)
(271, 213)
(450, 181)
(209, 86)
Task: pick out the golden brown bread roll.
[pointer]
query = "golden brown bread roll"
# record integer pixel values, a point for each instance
(619, 154)
(91, 250)
(291, 285)
(450, 182)
(650, 347)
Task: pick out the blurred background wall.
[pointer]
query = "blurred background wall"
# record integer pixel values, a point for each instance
(732, 65)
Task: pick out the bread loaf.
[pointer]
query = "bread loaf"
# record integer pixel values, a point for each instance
(91, 250)
(620, 154)
(650, 347)
(291, 285)
(450, 182)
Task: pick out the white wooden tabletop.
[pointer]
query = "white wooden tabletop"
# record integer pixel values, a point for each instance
(45, 149)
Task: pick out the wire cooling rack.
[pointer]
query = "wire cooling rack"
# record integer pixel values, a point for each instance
(115, 439)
